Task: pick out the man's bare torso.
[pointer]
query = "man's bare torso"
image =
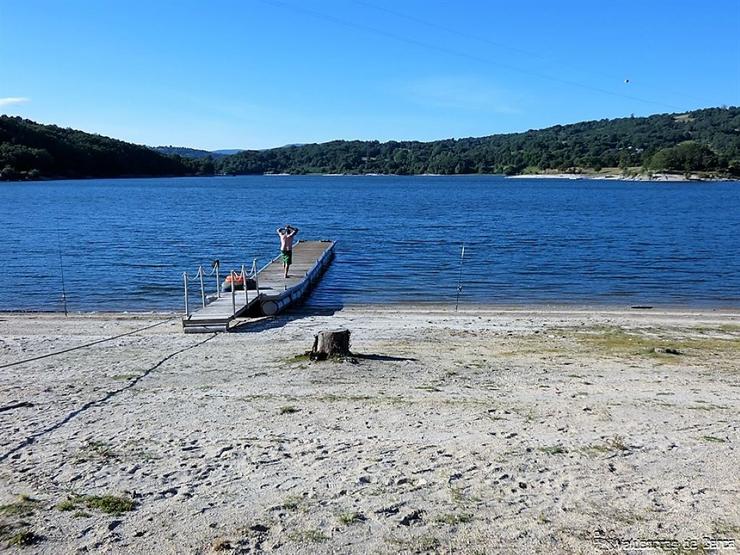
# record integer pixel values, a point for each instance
(286, 242)
(286, 238)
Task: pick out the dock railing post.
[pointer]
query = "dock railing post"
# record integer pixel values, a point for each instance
(218, 280)
(256, 276)
(233, 292)
(246, 289)
(202, 286)
(185, 283)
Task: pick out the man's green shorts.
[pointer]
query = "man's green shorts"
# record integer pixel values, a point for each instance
(286, 256)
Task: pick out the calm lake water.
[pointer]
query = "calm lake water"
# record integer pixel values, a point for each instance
(125, 243)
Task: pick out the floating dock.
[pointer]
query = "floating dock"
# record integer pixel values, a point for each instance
(268, 292)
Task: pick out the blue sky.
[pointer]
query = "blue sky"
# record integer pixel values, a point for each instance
(262, 73)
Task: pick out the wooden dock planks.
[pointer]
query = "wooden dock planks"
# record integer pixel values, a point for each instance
(310, 259)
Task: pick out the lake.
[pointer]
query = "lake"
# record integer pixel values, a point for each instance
(124, 243)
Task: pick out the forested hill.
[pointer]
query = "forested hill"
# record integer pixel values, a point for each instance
(703, 140)
(30, 150)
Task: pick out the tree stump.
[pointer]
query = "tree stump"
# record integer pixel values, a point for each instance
(328, 344)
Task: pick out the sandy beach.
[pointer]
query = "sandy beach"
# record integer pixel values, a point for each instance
(489, 430)
(669, 177)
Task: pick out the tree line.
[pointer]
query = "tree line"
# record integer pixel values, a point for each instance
(705, 140)
(30, 150)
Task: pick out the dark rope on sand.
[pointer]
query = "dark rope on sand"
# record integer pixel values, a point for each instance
(17, 362)
(90, 404)
(12, 406)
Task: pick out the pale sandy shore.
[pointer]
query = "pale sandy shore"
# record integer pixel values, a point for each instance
(673, 177)
(484, 431)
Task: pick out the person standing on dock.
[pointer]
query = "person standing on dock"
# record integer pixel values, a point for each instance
(286, 245)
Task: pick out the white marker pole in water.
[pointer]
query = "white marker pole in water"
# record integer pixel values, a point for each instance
(61, 269)
(459, 278)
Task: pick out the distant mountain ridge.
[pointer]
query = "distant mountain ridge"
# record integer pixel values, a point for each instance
(195, 152)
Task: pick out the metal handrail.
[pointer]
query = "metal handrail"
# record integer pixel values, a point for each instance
(256, 275)
(245, 277)
(185, 281)
(253, 273)
(233, 292)
(216, 269)
(202, 286)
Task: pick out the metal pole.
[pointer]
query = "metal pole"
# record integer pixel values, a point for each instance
(61, 270)
(244, 279)
(233, 291)
(459, 278)
(218, 280)
(185, 282)
(256, 276)
(202, 286)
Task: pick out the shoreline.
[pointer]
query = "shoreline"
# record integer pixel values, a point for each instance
(435, 307)
(658, 177)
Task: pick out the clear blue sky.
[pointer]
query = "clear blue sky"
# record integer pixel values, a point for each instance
(262, 73)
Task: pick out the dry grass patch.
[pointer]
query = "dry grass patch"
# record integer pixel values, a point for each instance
(615, 444)
(109, 504)
(24, 506)
(22, 538)
(616, 340)
(554, 450)
(351, 517)
(418, 544)
(308, 536)
(713, 439)
(96, 451)
(454, 518)
(291, 503)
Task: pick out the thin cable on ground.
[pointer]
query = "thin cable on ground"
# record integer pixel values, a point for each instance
(17, 362)
(33, 437)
